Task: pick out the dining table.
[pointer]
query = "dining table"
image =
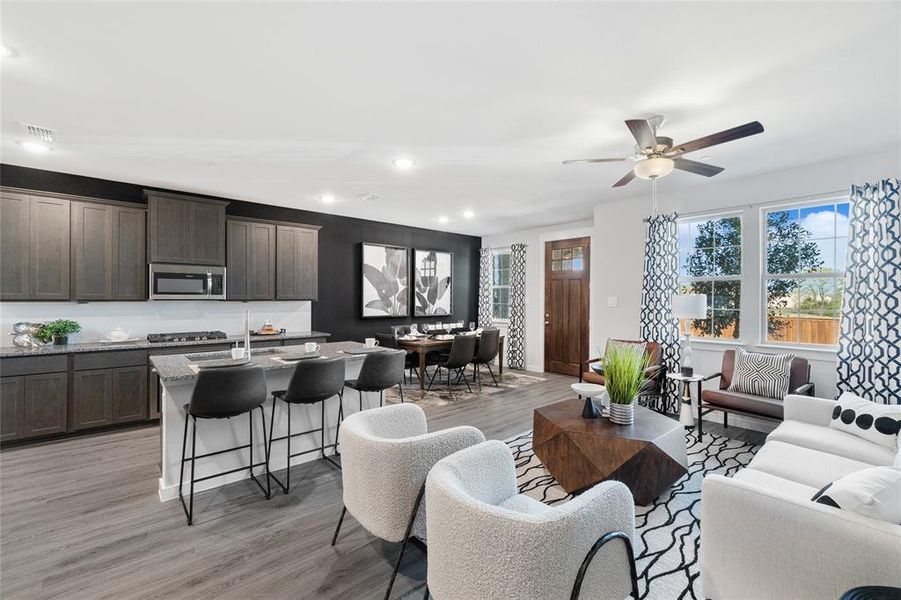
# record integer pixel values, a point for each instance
(425, 344)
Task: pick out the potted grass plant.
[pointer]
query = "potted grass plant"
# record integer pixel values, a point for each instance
(623, 375)
(59, 331)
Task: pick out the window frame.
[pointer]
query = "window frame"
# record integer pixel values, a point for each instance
(495, 253)
(765, 275)
(687, 280)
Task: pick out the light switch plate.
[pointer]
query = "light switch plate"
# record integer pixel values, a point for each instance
(612, 301)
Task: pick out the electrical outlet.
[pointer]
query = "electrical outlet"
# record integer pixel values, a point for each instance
(612, 301)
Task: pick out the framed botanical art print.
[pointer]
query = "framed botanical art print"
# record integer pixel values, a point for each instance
(433, 276)
(385, 275)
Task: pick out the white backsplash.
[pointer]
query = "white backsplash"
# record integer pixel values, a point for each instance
(141, 318)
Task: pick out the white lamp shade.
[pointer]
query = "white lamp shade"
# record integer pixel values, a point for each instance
(651, 168)
(689, 306)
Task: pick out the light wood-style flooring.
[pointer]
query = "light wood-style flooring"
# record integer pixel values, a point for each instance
(80, 519)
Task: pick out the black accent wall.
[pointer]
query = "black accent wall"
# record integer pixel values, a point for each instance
(338, 309)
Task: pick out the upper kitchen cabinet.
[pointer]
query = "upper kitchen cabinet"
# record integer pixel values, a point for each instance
(108, 251)
(297, 259)
(34, 247)
(186, 229)
(251, 260)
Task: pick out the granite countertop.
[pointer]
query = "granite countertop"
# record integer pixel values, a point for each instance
(177, 367)
(143, 344)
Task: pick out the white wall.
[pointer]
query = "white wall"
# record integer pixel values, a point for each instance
(534, 240)
(617, 251)
(141, 318)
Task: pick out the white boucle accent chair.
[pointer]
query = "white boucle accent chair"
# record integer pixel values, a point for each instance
(487, 541)
(386, 454)
(763, 537)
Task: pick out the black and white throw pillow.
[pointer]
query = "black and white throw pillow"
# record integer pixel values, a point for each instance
(873, 492)
(877, 423)
(761, 374)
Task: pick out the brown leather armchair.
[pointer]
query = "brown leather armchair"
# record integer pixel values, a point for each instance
(759, 407)
(653, 373)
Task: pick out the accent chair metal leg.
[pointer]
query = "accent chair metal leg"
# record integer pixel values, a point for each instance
(381, 398)
(725, 420)
(426, 595)
(607, 537)
(338, 528)
(403, 545)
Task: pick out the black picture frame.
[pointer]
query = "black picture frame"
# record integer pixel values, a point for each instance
(377, 287)
(421, 287)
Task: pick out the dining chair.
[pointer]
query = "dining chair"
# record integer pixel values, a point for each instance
(487, 351)
(462, 351)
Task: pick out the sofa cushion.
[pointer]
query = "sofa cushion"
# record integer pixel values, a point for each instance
(877, 423)
(832, 441)
(767, 481)
(761, 374)
(803, 465)
(758, 405)
(873, 492)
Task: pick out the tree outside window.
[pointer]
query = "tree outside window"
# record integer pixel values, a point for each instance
(710, 264)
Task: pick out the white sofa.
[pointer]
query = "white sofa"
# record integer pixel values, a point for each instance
(763, 537)
(489, 542)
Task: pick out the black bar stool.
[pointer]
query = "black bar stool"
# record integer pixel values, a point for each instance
(381, 370)
(314, 380)
(223, 394)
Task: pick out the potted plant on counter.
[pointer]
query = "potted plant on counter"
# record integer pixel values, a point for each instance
(59, 331)
(623, 375)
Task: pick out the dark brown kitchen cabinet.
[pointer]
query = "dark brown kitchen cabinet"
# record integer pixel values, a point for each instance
(12, 408)
(251, 260)
(108, 255)
(297, 258)
(33, 406)
(186, 229)
(107, 396)
(34, 247)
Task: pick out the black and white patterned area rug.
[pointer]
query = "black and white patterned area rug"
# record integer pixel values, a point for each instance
(667, 532)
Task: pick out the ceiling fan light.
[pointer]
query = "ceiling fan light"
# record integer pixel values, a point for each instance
(652, 168)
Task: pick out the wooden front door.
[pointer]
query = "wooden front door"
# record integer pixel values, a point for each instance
(566, 274)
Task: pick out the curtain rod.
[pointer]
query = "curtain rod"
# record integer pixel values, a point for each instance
(820, 195)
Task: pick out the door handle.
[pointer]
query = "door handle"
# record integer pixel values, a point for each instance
(546, 323)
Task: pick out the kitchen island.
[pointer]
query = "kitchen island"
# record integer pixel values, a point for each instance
(178, 374)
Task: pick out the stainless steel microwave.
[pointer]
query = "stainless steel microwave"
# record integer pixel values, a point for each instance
(186, 282)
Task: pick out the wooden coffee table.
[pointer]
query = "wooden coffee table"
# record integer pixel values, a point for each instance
(648, 456)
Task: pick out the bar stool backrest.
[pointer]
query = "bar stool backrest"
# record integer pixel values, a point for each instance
(489, 344)
(315, 380)
(462, 351)
(381, 370)
(227, 392)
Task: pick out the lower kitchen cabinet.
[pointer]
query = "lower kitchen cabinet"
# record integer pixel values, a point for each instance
(108, 396)
(33, 406)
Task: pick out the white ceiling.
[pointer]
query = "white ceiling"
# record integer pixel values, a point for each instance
(280, 102)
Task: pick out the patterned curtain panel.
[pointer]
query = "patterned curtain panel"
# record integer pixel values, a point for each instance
(660, 282)
(869, 355)
(485, 272)
(516, 333)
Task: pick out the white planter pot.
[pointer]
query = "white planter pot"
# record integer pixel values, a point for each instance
(622, 414)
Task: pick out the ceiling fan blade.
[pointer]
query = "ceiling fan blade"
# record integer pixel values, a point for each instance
(736, 133)
(698, 168)
(625, 179)
(591, 160)
(642, 132)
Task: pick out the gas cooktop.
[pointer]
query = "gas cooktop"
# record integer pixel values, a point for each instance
(185, 336)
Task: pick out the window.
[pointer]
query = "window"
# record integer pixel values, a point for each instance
(710, 264)
(804, 272)
(500, 286)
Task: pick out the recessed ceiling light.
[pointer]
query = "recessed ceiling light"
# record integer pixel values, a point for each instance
(468, 214)
(404, 163)
(35, 146)
(6, 51)
(442, 219)
(326, 198)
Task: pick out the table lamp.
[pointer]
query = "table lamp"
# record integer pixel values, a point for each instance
(688, 306)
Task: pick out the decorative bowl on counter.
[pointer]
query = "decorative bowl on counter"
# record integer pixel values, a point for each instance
(117, 335)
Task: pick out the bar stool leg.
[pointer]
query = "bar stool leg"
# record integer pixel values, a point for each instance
(322, 432)
(288, 455)
(193, 454)
(266, 445)
(181, 471)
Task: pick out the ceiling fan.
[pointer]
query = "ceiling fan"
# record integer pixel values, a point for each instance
(656, 155)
